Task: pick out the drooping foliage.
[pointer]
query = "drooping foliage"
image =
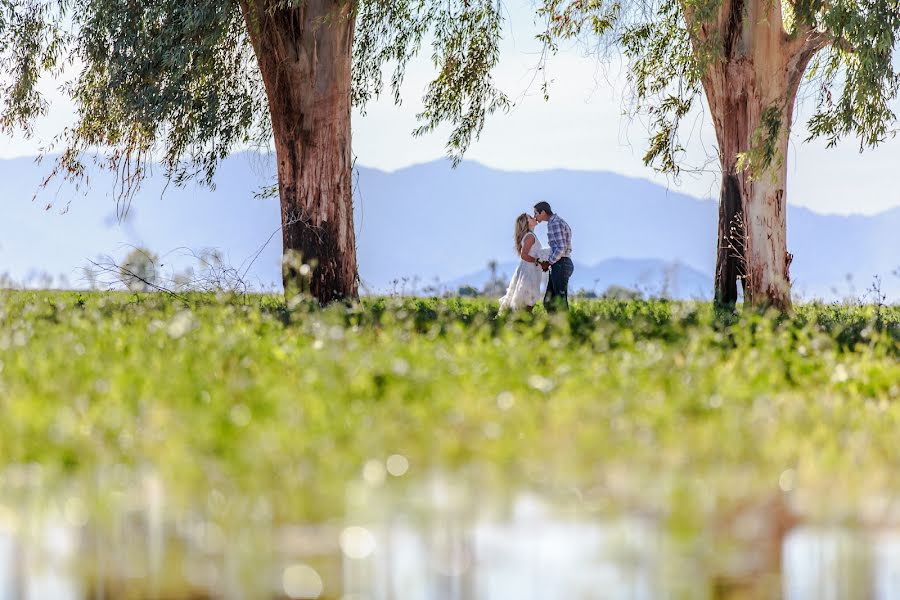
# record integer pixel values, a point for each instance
(465, 49)
(859, 65)
(177, 80)
(669, 44)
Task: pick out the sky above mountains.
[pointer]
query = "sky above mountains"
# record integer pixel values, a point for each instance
(581, 127)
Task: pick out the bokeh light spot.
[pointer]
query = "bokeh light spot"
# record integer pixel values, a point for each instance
(301, 581)
(397, 465)
(787, 480)
(357, 542)
(505, 400)
(373, 472)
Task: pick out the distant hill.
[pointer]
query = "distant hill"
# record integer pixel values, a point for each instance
(454, 221)
(429, 222)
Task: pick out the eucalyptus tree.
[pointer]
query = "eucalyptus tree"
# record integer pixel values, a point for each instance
(186, 82)
(749, 58)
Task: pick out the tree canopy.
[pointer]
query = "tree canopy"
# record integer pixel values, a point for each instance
(670, 44)
(177, 81)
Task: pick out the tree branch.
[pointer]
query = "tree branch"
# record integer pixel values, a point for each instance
(800, 52)
(698, 31)
(806, 42)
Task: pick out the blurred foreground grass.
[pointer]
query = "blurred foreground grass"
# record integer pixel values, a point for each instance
(633, 404)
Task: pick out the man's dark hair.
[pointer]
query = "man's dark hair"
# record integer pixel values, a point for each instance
(543, 207)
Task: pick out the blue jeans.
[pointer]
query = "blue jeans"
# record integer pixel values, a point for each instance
(557, 295)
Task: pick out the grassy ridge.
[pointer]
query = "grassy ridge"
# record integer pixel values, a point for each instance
(638, 403)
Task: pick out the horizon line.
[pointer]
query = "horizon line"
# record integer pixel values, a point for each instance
(445, 161)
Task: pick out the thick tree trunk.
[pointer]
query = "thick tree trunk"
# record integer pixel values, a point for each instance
(752, 232)
(751, 94)
(304, 57)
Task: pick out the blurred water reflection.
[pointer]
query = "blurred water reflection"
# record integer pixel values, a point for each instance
(438, 542)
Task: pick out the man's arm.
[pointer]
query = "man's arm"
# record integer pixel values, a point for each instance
(557, 242)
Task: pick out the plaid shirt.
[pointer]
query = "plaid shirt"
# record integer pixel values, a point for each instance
(559, 234)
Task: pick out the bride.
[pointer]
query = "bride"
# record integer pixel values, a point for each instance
(525, 287)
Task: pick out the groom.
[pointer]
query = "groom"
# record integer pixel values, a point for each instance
(559, 234)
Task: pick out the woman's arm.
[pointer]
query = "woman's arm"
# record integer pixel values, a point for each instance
(527, 243)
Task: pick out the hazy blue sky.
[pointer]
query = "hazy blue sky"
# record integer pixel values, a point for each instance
(582, 127)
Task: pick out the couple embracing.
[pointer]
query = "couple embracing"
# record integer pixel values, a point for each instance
(536, 262)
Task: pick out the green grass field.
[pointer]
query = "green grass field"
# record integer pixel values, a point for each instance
(269, 399)
(654, 406)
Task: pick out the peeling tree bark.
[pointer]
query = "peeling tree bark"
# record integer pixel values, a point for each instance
(304, 56)
(752, 87)
(752, 227)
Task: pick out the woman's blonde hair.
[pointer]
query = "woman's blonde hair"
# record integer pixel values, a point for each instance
(520, 231)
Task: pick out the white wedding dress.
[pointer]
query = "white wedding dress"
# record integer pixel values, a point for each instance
(525, 287)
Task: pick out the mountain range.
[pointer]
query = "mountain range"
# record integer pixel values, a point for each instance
(427, 225)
